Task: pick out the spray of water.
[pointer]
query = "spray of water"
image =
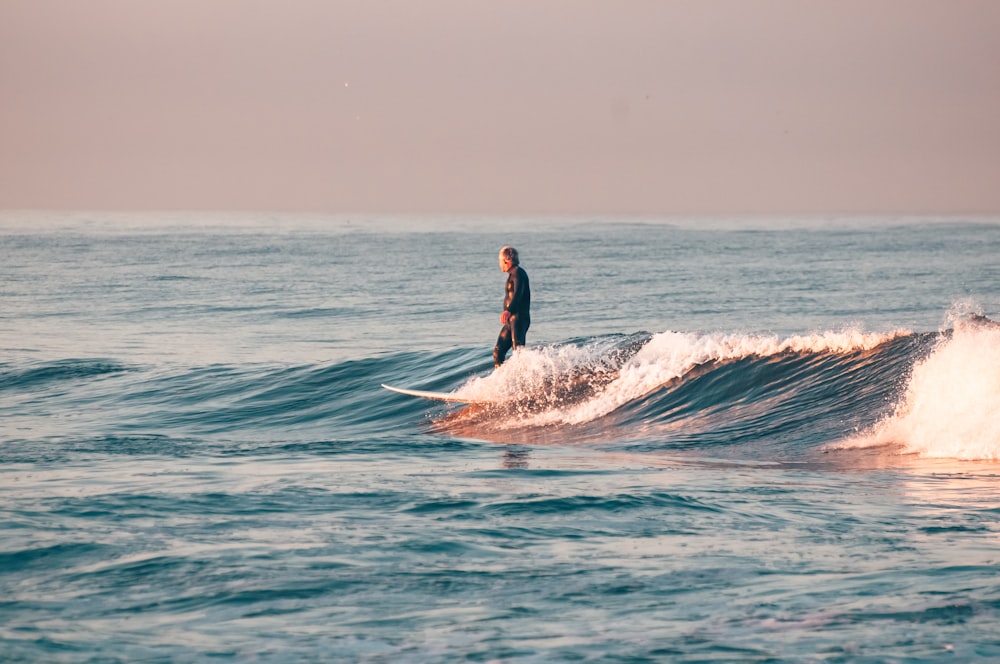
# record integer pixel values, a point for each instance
(951, 406)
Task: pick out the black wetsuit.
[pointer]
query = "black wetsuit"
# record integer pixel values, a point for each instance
(518, 303)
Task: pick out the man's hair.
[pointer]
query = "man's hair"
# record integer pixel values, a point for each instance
(510, 253)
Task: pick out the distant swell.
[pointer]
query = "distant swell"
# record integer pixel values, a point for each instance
(44, 373)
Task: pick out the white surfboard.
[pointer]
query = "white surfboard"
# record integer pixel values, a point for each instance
(427, 394)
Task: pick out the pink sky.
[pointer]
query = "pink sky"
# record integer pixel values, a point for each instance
(658, 106)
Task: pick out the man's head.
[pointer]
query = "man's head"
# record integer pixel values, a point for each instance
(508, 258)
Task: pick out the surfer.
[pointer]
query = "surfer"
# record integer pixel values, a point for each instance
(516, 316)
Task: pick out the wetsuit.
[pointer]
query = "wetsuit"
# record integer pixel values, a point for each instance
(518, 303)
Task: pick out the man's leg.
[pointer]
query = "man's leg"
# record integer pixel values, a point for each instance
(503, 345)
(519, 330)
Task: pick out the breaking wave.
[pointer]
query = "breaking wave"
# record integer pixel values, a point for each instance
(951, 402)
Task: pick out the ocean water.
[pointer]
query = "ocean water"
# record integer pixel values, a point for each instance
(728, 440)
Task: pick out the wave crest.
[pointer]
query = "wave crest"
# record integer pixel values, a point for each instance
(567, 385)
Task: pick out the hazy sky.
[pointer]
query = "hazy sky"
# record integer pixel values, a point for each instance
(661, 106)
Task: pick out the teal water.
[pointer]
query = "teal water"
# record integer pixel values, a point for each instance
(728, 440)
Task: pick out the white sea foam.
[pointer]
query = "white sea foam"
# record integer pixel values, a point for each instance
(667, 356)
(951, 407)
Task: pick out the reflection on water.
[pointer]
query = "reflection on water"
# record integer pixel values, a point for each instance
(940, 485)
(516, 457)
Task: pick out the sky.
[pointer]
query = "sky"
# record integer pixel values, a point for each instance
(522, 106)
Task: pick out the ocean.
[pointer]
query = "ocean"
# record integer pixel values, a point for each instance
(727, 440)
